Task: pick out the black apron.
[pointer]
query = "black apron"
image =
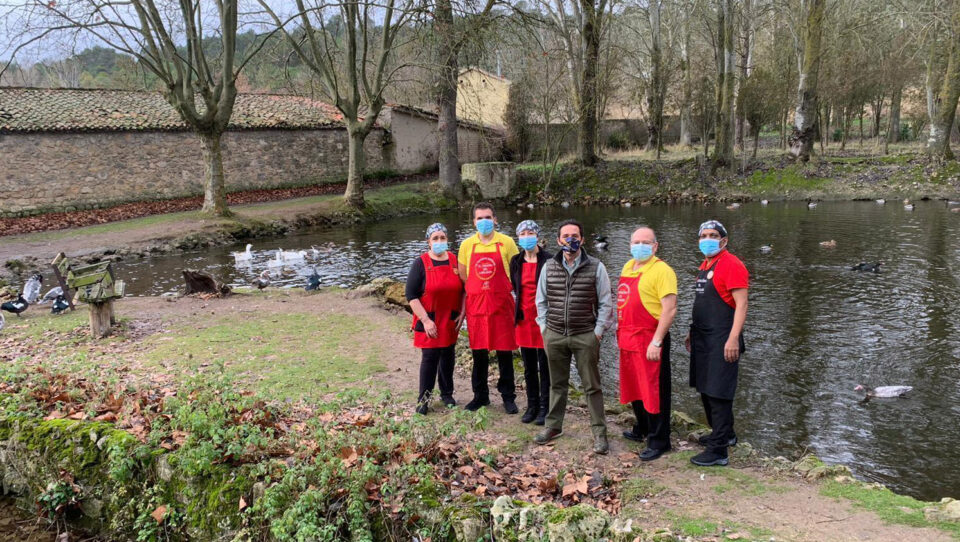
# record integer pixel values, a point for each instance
(710, 373)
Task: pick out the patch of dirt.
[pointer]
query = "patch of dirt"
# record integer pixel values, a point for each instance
(17, 526)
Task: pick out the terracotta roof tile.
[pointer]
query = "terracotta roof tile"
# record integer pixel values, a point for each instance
(95, 110)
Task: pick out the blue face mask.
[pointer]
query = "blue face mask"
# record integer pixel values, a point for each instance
(709, 247)
(572, 245)
(438, 247)
(527, 243)
(485, 226)
(641, 252)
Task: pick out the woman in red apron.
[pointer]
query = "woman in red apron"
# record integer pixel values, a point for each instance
(435, 293)
(524, 273)
(644, 342)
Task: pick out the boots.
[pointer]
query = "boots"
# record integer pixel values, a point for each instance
(531, 413)
(541, 415)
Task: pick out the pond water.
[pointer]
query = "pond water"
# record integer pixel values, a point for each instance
(815, 328)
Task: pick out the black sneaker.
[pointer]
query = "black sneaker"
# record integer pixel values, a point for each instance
(475, 404)
(529, 414)
(448, 400)
(709, 459)
(630, 435)
(510, 406)
(541, 416)
(422, 409)
(650, 454)
(703, 440)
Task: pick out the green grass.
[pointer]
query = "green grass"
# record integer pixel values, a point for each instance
(887, 505)
(34, 324)
(689, 526)
(637, 488)
(280, 355)
(777, 180)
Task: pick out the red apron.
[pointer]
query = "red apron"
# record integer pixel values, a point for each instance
(639, 377)
(528, 332)
(441, 299)
(490, 308)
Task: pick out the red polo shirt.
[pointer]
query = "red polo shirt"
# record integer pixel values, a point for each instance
(730, 274)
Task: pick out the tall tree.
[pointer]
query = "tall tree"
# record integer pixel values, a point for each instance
(193, 53)
(351, 46)
(725, 126)
(591, 29)
(944, 109)
(805, 118)
(657, 86)
(450, 40)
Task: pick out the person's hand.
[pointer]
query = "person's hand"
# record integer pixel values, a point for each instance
(599, 337)
(653, 352)
(458, 323)
(731, 350)
(430, 327)
(686, 343)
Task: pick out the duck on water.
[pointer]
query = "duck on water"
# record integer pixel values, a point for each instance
(883, 392)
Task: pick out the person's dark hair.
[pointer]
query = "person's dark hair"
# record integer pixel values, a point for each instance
(483, 205)
(570, 222)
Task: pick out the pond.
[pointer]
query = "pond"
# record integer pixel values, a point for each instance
(815, 328)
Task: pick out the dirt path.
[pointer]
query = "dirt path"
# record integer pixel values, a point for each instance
(286, 343)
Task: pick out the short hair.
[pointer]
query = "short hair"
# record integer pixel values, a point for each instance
(570, 222)
(483, 205)
(644, 227)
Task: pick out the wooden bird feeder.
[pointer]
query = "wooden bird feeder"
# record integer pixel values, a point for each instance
(95, 285)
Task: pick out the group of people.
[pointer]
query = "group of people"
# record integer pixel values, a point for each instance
(556, 308)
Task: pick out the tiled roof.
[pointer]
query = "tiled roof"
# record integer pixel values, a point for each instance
(95, 110)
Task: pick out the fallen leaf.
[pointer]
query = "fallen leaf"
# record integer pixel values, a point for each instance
(349, 456)
(159, 513)
(243, 504)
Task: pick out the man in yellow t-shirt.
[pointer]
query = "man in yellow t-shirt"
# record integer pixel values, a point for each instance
(646, 307)
(484, 264)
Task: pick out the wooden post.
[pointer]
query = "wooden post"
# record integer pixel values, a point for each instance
(101, 318)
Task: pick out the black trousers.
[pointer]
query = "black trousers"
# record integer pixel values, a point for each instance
(481, 369)
(657, 426)
(720, 418)
(536, 376)
(436, 363)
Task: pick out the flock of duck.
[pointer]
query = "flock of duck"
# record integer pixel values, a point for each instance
(30, 295)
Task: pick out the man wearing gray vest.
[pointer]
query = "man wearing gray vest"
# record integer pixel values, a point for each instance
(574, 304)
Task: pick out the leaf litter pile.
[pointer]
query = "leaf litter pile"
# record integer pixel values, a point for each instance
(158, 410)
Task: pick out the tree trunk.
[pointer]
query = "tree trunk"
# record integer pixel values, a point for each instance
(353, 196)
(877, 113)
(805, 117)
(845, 123)
(756, 142)
(893, 122)
(860, 120)
(945, 110)
(587, 135)
(214, 184)
(746, 29)
(686, 94)
(725, 122)
(447, 102)
(825, 120)
(655, 94)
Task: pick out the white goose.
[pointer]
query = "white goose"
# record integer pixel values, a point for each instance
(244, 256)
(277, 261)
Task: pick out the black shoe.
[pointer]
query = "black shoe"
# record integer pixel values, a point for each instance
(709, 459)
(477, 402)
(703, 440)
(650, 454)
(510, 406)
(529, 414)
(630, 435)
(422, 409)
(448, 400)
(541, 416)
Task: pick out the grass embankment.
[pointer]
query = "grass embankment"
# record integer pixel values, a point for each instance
(285, 414)
(636, 178)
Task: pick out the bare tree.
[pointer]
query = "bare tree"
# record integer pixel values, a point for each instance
(725, 121)
(350, 45)
(171, 40)
(943, 108)
(805, 119)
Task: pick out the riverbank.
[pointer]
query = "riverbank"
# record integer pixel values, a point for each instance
(774, 177)
(172, 232)
(288, 413)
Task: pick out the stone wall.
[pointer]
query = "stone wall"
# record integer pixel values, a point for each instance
(415, 146)
(50, 171)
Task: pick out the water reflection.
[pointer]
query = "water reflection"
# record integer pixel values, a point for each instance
(815, 328)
